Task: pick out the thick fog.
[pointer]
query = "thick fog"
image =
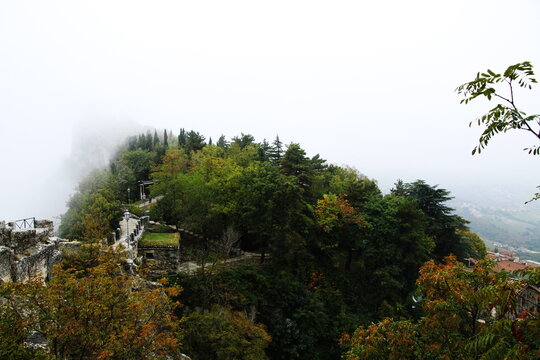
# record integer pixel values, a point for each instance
(368, 84)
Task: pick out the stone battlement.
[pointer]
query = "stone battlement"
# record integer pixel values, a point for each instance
(29, 253)
(23, 239)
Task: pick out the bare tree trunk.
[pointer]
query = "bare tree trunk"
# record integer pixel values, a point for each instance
(229, 239)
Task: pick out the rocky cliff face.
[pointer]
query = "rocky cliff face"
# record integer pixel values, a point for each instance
(30, 253)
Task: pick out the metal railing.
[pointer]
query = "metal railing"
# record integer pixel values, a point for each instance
(28, 223)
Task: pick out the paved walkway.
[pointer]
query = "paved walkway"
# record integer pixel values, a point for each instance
(132, 224)
(190, 267)
(152, 201)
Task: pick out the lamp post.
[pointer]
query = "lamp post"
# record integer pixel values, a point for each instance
(141, 191)
(126, 216)
(129, 198)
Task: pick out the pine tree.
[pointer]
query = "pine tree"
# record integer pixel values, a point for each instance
(276, 151)
(194, 141)
(264, 150)
(243, 140)
(222, 142)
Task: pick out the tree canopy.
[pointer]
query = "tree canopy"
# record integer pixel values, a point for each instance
(468, 314)
(335, 252)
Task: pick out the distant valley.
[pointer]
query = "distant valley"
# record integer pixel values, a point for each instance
(516, 228)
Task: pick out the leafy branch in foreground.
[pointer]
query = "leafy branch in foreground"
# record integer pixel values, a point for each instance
(505, 115)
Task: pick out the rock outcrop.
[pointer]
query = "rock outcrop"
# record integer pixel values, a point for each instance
(29, 253)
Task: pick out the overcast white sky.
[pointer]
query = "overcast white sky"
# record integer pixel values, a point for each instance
(364, 83)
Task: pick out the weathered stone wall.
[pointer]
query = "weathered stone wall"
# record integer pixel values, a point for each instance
(160, 260)
(6, 263)
(29, 254)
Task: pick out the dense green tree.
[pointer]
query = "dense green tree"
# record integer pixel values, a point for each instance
(130, 167)
(222, 142)
(141, 141)
(243, 140)
(264, 151)
(355, 187)
(93, 210)
(100, 215)
(395, 246)
(194, 141)
(200, 199)
(342, 224)
(476, 247)
(149, 142)
(442, 223)
(168, 209)
(155, 140)
(182, 139)
(276, 151)
(296, 163)
(268, 204)
(139, 162)
(242, 156)
(132, 143)
(221, 334)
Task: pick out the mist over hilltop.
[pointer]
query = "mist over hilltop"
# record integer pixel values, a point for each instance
(359, 93)
(45, 176)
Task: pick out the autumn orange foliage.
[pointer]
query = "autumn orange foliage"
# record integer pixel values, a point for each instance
(101, 313)
(469, 313)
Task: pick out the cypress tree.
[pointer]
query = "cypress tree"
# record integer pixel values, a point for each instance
(156, 140)
(141, 143)
(148, 144)
(182, 139)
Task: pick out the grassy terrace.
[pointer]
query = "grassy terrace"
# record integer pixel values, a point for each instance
(160, 239)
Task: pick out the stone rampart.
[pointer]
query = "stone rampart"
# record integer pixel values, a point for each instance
(29, 254)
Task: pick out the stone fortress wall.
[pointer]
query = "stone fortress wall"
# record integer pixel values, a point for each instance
(29, 253)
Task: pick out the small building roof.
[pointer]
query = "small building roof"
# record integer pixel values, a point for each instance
(508, 266)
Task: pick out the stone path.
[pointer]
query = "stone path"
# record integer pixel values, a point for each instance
(123, 230)
(190, 267)
(152, 201)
